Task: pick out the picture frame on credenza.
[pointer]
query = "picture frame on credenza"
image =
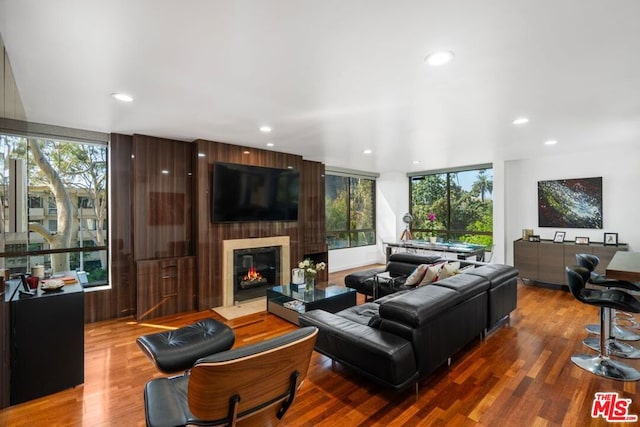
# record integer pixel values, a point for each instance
(610, 239)
(582, 241)
(559, 237)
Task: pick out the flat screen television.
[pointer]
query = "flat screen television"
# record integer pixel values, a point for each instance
(243, 193)
(570, 203)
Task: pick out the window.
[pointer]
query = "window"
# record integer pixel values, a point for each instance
(461, 201)
(39, 172)
(350, 211)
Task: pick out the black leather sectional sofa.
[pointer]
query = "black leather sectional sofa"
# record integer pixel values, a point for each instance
(401, 338)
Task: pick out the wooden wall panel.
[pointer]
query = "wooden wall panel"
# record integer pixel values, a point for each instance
(119, 301)
(211, 235)
(162, 192)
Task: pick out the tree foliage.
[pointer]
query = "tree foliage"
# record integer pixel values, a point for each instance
(463, 214)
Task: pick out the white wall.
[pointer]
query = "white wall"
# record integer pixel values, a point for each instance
(515, 205)
(392, 201)
(620, 173)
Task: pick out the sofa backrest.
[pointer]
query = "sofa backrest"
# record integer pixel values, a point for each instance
(403, 264)
(438, 319)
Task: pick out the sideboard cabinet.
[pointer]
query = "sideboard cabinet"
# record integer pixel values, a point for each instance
(545, 261)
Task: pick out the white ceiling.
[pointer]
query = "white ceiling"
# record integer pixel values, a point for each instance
(335, 77)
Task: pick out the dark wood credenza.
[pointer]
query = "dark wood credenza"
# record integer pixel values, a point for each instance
(545, 261)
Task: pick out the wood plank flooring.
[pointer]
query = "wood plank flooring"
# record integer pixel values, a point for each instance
(521, 375)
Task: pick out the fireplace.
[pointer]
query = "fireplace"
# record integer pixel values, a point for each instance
(230, 276)
(254, 270)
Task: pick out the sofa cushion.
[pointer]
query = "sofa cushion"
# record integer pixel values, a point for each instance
(449, 269)
(432, 274)
(496, 274)
(419, 306)
(361, 314)
(357, 279)
(466, 284)
(417, 275)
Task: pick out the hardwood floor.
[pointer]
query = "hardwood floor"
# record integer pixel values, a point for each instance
(520, 375)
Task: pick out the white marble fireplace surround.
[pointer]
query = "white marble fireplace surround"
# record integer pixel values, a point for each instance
(228, 246)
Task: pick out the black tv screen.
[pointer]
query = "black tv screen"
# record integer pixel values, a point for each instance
(253, 193)
(570, 203)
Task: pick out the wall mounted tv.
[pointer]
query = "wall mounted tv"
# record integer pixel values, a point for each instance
(570, 203)
(253, 193)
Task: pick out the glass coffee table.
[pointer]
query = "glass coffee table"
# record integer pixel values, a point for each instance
(287, 302)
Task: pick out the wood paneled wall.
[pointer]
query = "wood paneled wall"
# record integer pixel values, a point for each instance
(130, 227)
(119, 301)
(211, 235)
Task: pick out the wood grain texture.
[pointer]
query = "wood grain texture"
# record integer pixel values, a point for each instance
(520, 375)
(210, 235)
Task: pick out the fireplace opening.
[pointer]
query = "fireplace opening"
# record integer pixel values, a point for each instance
(255, 270)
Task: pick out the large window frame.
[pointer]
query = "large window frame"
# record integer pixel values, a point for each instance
(358, 227)
(448, 200)
(21, 245)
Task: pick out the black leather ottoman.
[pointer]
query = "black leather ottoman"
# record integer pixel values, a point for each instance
(177, 350)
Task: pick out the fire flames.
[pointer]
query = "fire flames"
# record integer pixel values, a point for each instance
(252, 275)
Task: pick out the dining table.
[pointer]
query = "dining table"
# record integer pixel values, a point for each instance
(624, 266)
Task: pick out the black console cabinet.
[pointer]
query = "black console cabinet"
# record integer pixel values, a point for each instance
(47, 342)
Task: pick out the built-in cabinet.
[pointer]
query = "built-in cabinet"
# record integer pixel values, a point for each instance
(163, 226)
(165, 286)
(545, 261)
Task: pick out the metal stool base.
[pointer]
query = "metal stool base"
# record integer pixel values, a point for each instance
(614, 348)
(618, 333)
(605, 367)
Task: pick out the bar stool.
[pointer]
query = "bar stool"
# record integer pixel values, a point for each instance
(602, 364)
(590, 262)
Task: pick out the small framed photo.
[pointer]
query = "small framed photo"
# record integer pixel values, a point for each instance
(582, 240)
(611, 239)
(534, 238)
(559, 237)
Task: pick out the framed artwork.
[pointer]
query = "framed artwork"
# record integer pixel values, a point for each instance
(570, 203)
(582, 240)
(559, 237)
(611, 239)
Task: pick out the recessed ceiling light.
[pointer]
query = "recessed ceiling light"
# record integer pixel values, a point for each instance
(520, 121)
(367, 151)
(246, 152)
(165, 172)
(436, 59)
(122, 97)
(265, 129)
(289, 167)
(201, 155)
(551, 142)
(416, 162)
(270, 144)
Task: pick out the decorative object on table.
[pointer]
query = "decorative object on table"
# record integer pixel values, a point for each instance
(52, 284)
(297, 276)
(37, 271)
(33, 282)
(611, 239)
(534, 238)
(406, 234)
(582, 240)
(570, 203)
(430, 225)
(559, 237)
(311, 269)
(526, 232)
